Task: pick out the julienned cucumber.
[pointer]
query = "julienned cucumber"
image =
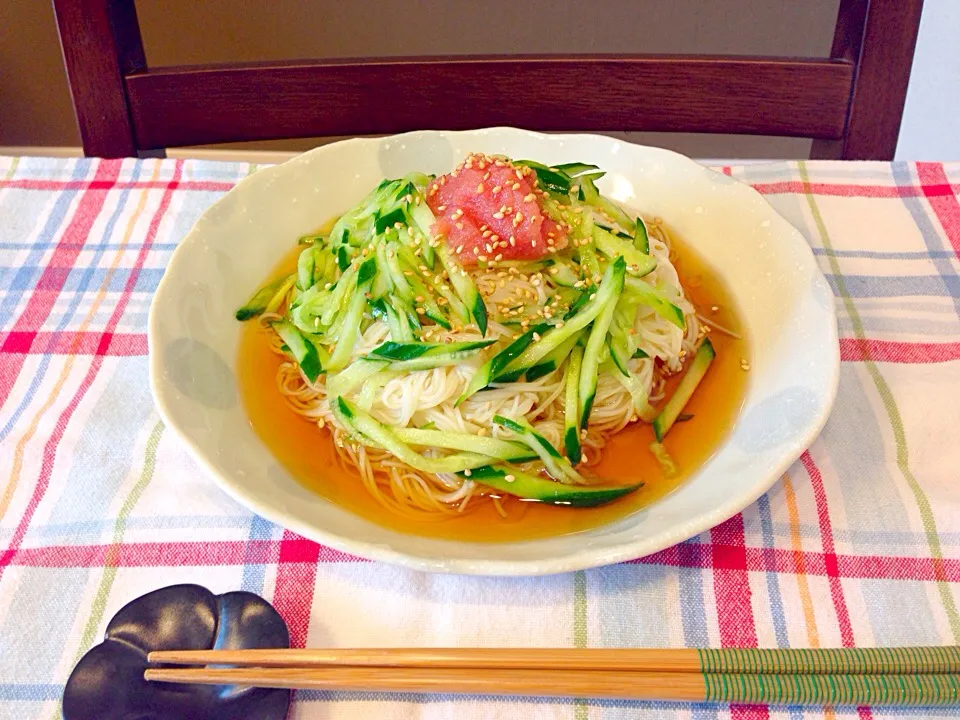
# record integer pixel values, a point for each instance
(491, 369)
(688, 384)
(303, 351)
(610, 287)
(464, 285)
(494, 447)
(641, 240)
(589, 371)
(557, 465)
(650, 296)
(638, 264)
(571, 408)
(257, 305)
(357, 373)
(350, 328)
(361, 423)
(552, 361)
(532, 487)
(426, 355)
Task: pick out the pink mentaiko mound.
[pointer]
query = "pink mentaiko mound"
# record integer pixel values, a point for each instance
(489, 210)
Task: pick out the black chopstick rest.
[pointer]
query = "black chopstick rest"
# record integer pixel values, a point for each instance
(108, 684)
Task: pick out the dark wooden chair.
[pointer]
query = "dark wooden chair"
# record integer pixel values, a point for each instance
(850, 103)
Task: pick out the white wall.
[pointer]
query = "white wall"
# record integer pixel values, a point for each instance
(931, 118)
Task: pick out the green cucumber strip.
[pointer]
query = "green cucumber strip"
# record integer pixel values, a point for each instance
(397, 215)
(618, 355)
(638, 353)
(399, 280)
(571, 424)
(650, 296)
(409, 351)
(320, 259)
(576, 305)
(422, 294)
(588, 259)
(330, 270)
(257, 304)
(552, 361)
(563, 275)
(688, 384)
(641, 240)
(592, 196)
(551, 179)
(367, 271)
(361, 423)
(610, 245)
(494, 447)
(305, 267)
(277, 300)
(350, 328)
(556, 464)
(589, 371)
(398, 320)
(424, 219)
(383, 283)
(490, 370)
(339, 297)
(464, 286)
(607, 293)
(343, 258)
(619, 341)
(302, 349)
(435, 282)
(532, 487)
(667, 466)
(431, 361)
(574, 169)
(356, 373)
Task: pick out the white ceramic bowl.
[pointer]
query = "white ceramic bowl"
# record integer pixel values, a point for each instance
(786, 303)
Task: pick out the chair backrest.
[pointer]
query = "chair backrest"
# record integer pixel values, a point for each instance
(850, 103)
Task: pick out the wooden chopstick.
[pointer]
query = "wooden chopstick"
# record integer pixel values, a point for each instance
(790, 689)
(841, 661)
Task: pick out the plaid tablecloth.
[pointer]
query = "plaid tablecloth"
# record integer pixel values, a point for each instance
(857, 544)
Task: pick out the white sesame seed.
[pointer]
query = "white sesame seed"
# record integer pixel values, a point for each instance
(479, 188)
(509, 478)
(498, 215)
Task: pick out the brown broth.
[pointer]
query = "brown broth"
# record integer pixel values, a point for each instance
(309, 455)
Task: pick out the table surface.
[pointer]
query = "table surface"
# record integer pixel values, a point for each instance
(858, 544)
